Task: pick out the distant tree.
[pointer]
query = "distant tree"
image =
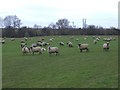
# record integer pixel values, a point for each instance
(52, 26)
(1, 22)
(13, 21)
(36, 26)
(62, 23)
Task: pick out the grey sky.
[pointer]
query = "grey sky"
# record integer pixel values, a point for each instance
(44, 12)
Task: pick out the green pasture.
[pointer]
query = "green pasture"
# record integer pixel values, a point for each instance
(70, 69)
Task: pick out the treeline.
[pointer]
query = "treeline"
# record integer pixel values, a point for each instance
(31, 32)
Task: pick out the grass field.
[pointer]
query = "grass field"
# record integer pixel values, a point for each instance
(70, 69)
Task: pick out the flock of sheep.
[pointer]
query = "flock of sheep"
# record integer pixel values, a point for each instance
(38, 47)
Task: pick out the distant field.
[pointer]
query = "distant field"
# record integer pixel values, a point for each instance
(70, 69)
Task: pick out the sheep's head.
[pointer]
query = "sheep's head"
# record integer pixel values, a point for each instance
(79, 44)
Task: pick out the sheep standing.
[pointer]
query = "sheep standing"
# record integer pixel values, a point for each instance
(83, 47)
(36, 49)
(106, 46)
(25, 50)
(53, 50)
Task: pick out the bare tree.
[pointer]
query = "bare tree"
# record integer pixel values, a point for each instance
(63, 23)
(1, 22)
(13, 21)
(52, 26)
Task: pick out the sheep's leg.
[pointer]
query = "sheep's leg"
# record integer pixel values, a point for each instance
(87, 49)
(40, 52)
(80, 50)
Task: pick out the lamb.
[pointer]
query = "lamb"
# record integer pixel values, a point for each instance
(53, 50)
(61, 43)
(106, 46)
(83, 47)
(36, 49)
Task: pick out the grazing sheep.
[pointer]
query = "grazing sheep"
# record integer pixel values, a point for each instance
(25, 50)
(12, 39)
(25, 38)
(34, 45)
(23, 44)
(107, 39)
(53, 50)
(85, 38)
(83, 47)
(36, 49)
(39, 43)
(61, 43)
(2, 41)
(77, 39)
(106, 46)
(43, 49)
(95, 41)
(51, 39)
(22, 41)
(70, 44)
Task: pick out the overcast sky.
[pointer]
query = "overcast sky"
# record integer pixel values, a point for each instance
(44, 12)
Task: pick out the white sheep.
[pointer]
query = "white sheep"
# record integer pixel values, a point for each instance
(23, 44)
(77, 39)
(43, 49)
(51, 39)
(25, 38)
(53, 50)
(61, 43)
(83, 47)
(36, 49)
(12, 39)
(106, 46)
(25, 49)
(95, 41)
(2, 41)
(70, 44)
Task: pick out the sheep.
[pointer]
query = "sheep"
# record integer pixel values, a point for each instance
(25, 49)
(34, 45)
(77, 39)
(51, 39)
(83, 47)
(106, 46)
(25, 38)
(70, 44)
(36, 49)
(22, 41)
(53, 50)
(85, 38)
(107, 39)
(61, 43)
(43, 49)
(2, 41)
(23, 44)
(12, 39)
(95, 41)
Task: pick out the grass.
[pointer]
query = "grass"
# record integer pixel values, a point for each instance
(70, 69)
